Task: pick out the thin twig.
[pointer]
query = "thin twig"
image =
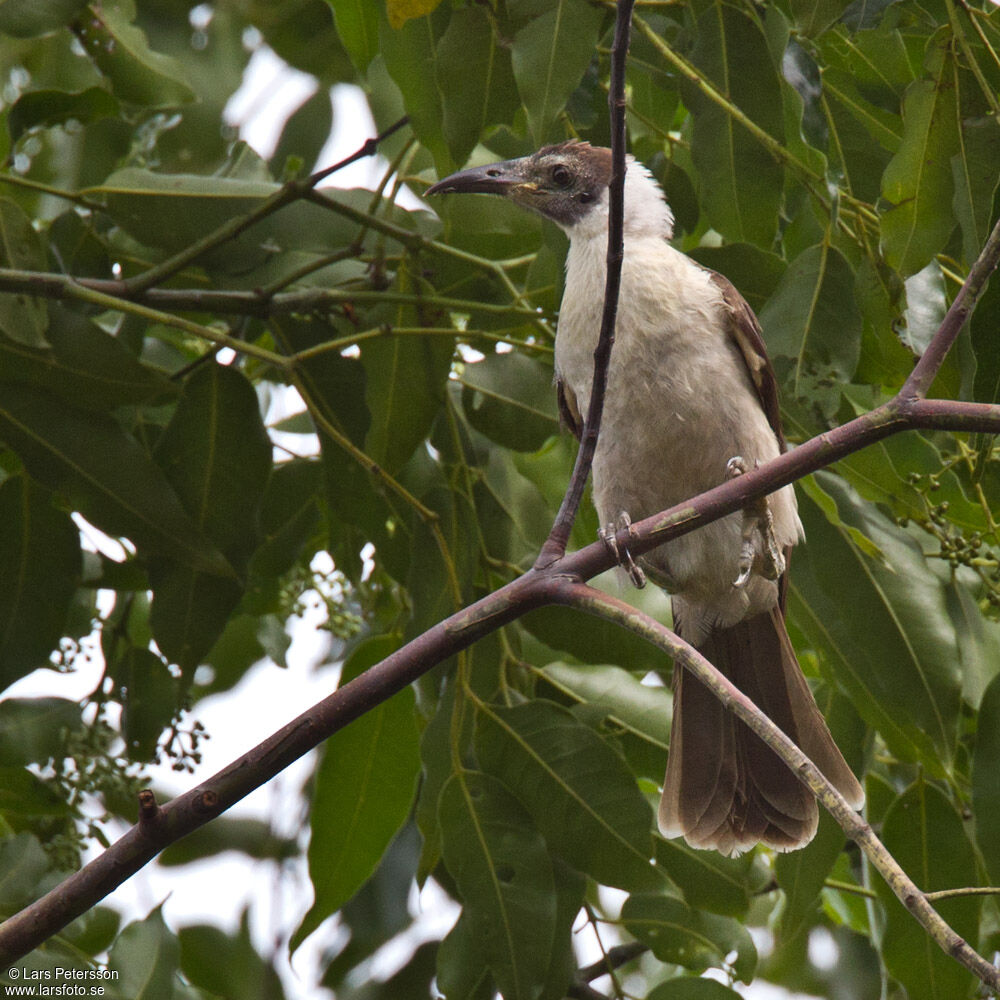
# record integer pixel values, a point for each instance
(75, 290)
(52, 285)
(615, 957)
(555, 544)
(926, 369)
(292, 190)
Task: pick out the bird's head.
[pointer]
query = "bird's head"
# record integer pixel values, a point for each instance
(567, 183)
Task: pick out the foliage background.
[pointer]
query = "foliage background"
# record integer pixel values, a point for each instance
(837, 161)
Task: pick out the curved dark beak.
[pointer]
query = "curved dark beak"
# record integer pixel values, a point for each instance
(494, 178)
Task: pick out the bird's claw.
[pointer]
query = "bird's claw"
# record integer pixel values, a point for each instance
(608, 534)
(759, 551)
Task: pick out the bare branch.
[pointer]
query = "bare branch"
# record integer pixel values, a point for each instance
(290, 191)
(602, 605)
(965, 301)
(555, 544)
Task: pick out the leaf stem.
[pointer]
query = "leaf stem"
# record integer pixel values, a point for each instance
(76, 290)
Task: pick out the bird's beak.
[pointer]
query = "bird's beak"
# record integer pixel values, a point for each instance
(495, 178)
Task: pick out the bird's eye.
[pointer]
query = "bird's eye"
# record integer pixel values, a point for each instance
(561, 176)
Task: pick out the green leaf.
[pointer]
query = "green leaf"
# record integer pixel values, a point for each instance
(252, 837)
(849, 121)
(406, 379)
(986, 780)
(801, 874)
(121, 52)
(32, 729)
(410, 52)
(45, 108)
(975, 175)
(826, 503)
(549, 56)
(682, 936)
(363, 792)
(149, 694)
(924, 833)
(40, 567)
(592, 640)
(23, 318)
(84, 366)
(756, 273)
(882, 473)
(217, 456)
(812, 318)
(26, 18)
(434, 575)
(462, 964)
(227, 964)
(689, 988)
(475, 79)
(918, 183)
(708, 880)
(740, 183)
(577, 789)
(513, 516)
(304, 133)
(847, 104)
(146, 956)
(23, 863)
(289, 516)
(171, 211)
(640, 708)
(24, 797)
(509, 398)
(570, 888)
(901, 673)
(813, 18)
(357, 26)
(502, 869)
(104, 473)
(978, 637)
(983, 326)
(926, 304)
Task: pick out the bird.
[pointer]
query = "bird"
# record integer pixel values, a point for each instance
(691, 399)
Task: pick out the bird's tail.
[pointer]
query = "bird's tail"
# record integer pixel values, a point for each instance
(724, 788)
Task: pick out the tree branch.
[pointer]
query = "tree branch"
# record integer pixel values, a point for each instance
(557, 581)
(26, 930)
(290, 191)
(570, 593)
(555, 544)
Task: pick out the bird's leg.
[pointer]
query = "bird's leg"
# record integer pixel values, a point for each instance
(608, 534)
(759, 550)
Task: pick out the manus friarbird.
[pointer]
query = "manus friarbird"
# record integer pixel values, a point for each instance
(691, 398)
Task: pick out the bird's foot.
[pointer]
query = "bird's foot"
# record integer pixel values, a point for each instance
(608, 534)
(759, 551)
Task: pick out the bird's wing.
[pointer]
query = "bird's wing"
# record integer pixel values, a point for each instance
(744, 328)
(569, 410)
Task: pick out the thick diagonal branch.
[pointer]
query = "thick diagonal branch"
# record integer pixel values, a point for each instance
(596, 602)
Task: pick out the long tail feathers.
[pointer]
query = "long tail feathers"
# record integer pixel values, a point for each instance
(724, 788)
